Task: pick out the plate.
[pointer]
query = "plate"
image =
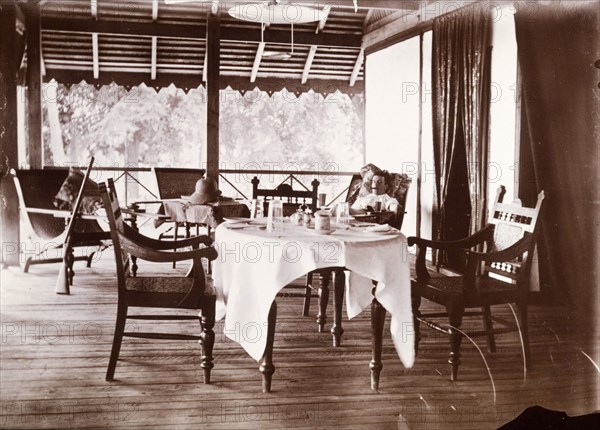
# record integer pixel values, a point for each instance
(312, 228)
(237, 226)
(236, 220)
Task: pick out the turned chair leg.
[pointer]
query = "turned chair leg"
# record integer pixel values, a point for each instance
(307, 294)
(323, 300)
(489, 328)
(377, 324)
(416, 304)
(117, 339)
(207, 339)
(339, 283)
(175, 235)
(70, 260)
(455, 315)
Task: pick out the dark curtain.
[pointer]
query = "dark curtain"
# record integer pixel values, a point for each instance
(559, 145)
(460, 76)
(476, 70)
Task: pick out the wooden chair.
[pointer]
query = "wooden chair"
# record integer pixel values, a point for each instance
(499, 275)
(292, 199)
(193, 292)
(174, 182)
(36, 189)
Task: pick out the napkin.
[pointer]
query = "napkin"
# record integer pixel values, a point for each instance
(379, 228)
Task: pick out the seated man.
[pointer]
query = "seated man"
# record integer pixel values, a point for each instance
(378, 199)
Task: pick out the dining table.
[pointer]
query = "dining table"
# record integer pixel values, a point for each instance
(255, 264)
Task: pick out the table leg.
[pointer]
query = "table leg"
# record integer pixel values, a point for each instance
(339, 283)
(266, 366)
(323, 299)
(377, 324)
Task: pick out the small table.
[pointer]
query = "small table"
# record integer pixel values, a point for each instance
(254, 265)
(210, 214)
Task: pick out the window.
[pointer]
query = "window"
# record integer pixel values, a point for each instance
(393, 121)
(395, 116)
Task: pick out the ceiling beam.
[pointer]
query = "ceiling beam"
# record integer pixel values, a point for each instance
(94, 8)
(308, 64)
(154, 10)
(153, 58)
(321, 24)
(357, 67)
(257, 60)
(228, 34)
(186, 82)
(400, 26)
(95, 58)
(368, 17)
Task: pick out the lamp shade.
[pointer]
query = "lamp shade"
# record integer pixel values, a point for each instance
(276, 13)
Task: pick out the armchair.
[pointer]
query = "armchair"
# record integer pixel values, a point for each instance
(192, 292)
(498, 275)
(397, 188)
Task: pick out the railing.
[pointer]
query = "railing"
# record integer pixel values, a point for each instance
(333, 184)
(138, 183)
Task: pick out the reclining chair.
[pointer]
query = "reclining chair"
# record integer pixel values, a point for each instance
(36, 189)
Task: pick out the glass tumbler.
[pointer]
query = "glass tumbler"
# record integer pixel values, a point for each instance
(343, 213)
(275, 217)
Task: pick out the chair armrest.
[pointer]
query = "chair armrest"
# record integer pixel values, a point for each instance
(481, 236)
(149, 242)
(514, 251)
(158, 256)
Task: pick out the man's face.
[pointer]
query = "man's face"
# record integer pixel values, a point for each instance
(378, 185)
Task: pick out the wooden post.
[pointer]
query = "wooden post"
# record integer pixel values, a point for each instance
(213, 53)
(8, 134)
(34, 87)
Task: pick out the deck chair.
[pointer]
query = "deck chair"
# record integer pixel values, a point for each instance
(292, 199)
(36, 189)
(193, 292)
(174, 182)
(497, 275)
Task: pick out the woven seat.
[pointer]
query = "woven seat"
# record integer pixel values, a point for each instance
(454, 285)
(192, 292)
(498, 276)
(163, 284)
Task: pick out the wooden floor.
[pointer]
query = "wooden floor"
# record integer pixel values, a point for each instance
(55, 350)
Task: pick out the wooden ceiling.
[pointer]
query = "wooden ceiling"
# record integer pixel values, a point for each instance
(151, 41)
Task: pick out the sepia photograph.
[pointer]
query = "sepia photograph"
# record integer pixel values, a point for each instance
(309, 214)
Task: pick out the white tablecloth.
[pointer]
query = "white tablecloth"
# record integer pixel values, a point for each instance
(254, 265)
